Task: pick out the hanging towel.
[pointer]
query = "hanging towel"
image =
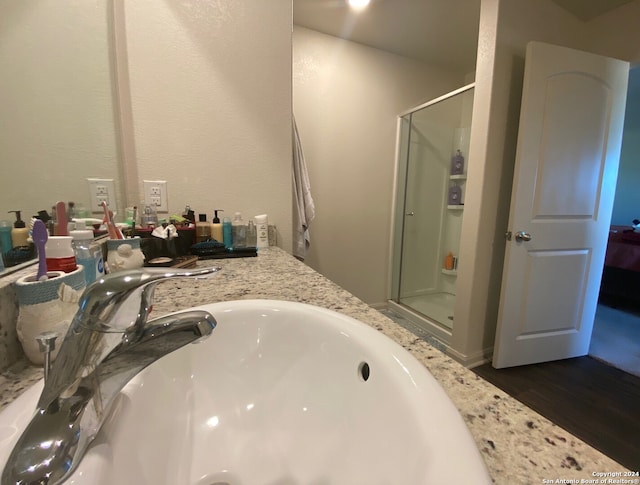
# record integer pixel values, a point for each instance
(303, 209)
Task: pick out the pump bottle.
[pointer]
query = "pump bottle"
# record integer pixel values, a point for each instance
(216, 226)
(19, 233)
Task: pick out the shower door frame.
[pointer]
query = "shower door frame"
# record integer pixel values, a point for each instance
(437, 330)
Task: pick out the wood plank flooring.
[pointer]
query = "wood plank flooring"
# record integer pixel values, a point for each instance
(596, 402)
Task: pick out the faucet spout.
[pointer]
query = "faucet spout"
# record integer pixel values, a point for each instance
(108, 343)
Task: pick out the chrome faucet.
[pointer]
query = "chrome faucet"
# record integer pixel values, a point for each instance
(109, 341)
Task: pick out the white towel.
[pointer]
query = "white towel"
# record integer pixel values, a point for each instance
(304, 208)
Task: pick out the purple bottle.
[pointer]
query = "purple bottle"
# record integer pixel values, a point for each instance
(457, 164)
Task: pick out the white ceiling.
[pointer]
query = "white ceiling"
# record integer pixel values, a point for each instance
(441, 32)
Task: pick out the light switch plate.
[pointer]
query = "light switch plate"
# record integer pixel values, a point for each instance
(102, 190)
(155, 194)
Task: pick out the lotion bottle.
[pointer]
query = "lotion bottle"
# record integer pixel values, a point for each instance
(216, 227)
(262, 229)
(20, 232)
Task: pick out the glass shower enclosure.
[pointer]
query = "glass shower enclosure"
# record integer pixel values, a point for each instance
(431, 179)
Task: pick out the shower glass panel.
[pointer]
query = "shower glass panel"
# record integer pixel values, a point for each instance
(432, 168)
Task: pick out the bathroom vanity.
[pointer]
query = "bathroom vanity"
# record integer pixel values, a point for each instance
(517, 444)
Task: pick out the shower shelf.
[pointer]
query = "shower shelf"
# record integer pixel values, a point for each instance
(458, 207)
(451, 272)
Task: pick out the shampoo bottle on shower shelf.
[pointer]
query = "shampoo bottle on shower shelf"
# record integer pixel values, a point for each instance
(457, 164)
(455, 195)
(448, 261)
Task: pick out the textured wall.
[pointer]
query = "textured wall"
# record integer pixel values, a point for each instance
(347, 98)
(211, 99)
(56, 108)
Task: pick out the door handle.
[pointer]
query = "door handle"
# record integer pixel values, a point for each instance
(410, 213)
(522, 236)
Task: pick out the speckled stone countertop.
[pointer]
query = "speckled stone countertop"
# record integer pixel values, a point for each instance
(518, 445)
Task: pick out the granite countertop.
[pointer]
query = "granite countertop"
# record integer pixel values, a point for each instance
(518, 445)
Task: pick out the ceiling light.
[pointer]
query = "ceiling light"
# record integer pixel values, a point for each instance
(358, 4)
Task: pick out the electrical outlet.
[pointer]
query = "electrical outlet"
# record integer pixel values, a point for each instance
(102, 190)
(155, 194)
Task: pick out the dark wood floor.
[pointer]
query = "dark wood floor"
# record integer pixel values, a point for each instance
(595, 402)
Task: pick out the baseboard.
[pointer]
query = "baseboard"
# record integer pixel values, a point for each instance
(474, 360)
(379, 306)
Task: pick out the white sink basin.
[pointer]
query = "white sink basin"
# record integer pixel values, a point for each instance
(280, 394)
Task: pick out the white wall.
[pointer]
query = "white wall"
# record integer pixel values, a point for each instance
(211, 99)
(346, 101)
(56, 108)
(616, 33)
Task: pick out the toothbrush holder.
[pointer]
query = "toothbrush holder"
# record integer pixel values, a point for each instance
(46, 306)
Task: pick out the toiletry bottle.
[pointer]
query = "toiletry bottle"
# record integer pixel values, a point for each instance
(216, 227)
(239, 231)
(252, 235)
(262, 228)
(448, 261)
(457, 164)
(88, 253)
(203, 228)
(227, 234)
(19, 233)
(5, 237)
(455, 195)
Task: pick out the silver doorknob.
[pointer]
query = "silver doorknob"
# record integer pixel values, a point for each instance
(410, 213)
(522, 236)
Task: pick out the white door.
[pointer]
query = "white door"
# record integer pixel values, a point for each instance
(567, 159)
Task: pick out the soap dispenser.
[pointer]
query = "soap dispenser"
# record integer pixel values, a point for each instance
(216, 226)
(20, 232)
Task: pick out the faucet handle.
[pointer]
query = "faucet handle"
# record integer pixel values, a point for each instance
(109, 305)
